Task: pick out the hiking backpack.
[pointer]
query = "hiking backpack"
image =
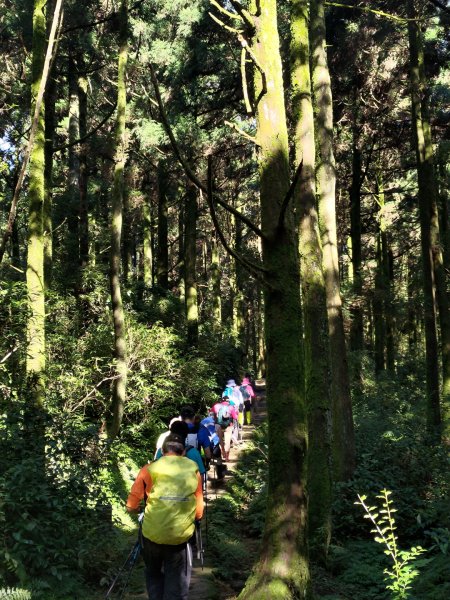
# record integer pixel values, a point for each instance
(224, 416)
(245, 393)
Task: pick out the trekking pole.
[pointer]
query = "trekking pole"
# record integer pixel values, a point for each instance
(198, 537)
(206, 502)
(128, 564)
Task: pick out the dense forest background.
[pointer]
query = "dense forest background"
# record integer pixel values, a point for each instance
(194, 190)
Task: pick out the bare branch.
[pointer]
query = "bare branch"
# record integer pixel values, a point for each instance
(244, 14)
(289, 194)
(92, 392)
(255, 269)
(187, 169)
(370, 10)
(224, 25)
(56, 23)
(8, 354)
(248, 106)
(242, 132)
(440, 5)
(88, 135)
(225, 11)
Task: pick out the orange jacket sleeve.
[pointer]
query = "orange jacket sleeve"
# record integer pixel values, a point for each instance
(140, 489)
(199, 498)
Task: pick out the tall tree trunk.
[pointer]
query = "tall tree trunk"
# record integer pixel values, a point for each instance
(215, 282)
(162, 257)
(261, 360)
(50, 100)
(73, 246)
(378, 313)
(356, 331)
(83, 183)
(190, 258)
(181, 232)
(35, 364)
(283, 569)
(343, 449)
(313, 291)
(127, 259)
(120, 350)
(148, 235)
(429, 228)
(238, 300)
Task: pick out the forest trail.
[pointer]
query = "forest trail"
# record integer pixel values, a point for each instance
(204, 586)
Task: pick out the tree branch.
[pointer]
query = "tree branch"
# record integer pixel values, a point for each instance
(225, 11)
(255, 269)
(370, 10)
(289, 194)
(88, 135)
(242, 132)
(187, 169)
(56, 24)
(244, 14)
(224, 25)
(440, 5)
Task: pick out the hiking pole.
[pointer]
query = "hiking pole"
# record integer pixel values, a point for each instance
(206, 509)
(128, 564)
(131, 557)
(198, 537)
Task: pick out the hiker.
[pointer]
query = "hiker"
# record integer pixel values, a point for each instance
(181, 428)
(248, 394)
(210, 424)
(198, 435)
(225, 415)
(163, 435)
(233, 393)
(171, 488)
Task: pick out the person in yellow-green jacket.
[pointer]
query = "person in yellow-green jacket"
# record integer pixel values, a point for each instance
(171, 488)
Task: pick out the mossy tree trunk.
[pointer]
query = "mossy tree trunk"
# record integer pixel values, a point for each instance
(83, 162)
(238, 300)
(162, 256)
(377, 307)
(182, 277)
(316, 349)
(282, 571)
(73, 190)
(35, 364)
(429, 228)
(190, 259)
(343, 449)
(356, 330)
(147, 232)
(215, 281)
(120, 349)
(49, 100)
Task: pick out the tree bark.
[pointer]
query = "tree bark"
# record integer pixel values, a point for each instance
(120, 350)
(190, 258)
(36, 361)
(148, 235)
(49, 109)
(72, 243)
(343, 448)
(283, 569)
(215, 282)
(83, 183)
(316, 348)
(429, 228)
(162, 257)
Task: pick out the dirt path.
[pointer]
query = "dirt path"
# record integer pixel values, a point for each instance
(204, 586)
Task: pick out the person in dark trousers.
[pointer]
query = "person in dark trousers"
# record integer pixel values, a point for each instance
(171, 488)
